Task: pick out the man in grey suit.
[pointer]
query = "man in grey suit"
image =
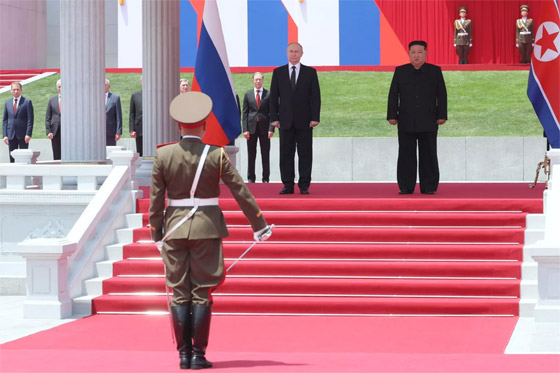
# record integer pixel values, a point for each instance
(418, 104)
(52, 122)
(295, 107)
(135, 119)
(113, 115)
(17, 123)
(257, 127)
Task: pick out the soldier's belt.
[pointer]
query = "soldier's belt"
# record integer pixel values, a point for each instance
(525, 32)
(462, 33)
(190, 202)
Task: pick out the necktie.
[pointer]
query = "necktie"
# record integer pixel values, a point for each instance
(258, 98)
(15, 105)
(293, 77)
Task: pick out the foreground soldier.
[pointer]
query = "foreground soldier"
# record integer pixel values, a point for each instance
(192, 250)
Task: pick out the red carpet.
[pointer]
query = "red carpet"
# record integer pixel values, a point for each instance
(355, 249)
(109, 343)
(7, 77)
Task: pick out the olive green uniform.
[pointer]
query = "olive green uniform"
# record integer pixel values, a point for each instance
(463, 39)
(524, 38)
(193, 253)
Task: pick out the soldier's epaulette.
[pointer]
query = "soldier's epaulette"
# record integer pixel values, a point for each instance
(167, 143)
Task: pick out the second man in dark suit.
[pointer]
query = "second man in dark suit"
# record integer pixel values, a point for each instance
(135, 119)
(295, 107)
(257, 127)
(113, 115)
(17, 120)
(52, 122)
(418, 103)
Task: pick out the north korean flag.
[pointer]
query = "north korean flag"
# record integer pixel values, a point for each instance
(544, 77)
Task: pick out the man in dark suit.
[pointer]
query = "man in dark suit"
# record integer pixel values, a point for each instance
(17, 123)
(257, 128)
(113, 115)
(192, 253)
(52, 122)
(135, 119)
(295, 107)
(418, 104)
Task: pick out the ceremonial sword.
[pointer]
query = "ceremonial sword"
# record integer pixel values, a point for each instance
(262, 237)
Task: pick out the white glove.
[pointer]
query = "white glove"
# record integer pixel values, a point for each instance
(159, 245)
(263, 234)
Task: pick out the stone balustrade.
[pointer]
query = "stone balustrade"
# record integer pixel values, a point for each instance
(57, 267)
(546, 252)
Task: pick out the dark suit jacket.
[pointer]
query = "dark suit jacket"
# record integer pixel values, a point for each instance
(173, 174)
(251, 112)
(52, 118)
(417, 98)
(295, 108)
(135, 117)
(113, 113)
(20, 124)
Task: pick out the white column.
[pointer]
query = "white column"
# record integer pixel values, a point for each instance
(82, 71)
(160, 62)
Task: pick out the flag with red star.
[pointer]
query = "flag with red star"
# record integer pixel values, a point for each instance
(544, 77)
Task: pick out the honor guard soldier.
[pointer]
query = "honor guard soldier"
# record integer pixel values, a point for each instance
(524, 38)
(189, 173)
(463, 35)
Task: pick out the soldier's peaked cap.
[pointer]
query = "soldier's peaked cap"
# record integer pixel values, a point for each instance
(463, 8)
(526, 7)
(190, 109)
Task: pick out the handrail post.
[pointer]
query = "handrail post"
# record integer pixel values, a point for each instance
(47, 277)
(547, 251)
(126, 158)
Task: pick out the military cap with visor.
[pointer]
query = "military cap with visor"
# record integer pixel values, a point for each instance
(190, 109)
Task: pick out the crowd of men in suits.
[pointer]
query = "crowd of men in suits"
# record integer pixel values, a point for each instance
(18, 119)
(417, 103)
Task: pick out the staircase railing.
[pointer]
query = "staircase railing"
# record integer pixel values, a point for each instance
(546, 252)
(57, 267)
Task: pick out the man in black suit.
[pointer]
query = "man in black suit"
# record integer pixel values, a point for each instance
(113, 115)
(295, 106)
(135, 119)
(257, 127)
(52, 122)
(418, 103)
(17, 123)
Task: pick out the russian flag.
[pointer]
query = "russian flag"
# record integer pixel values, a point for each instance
(212, 76)
(544, 77)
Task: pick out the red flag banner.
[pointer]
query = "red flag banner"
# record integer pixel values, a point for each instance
(544, 77)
